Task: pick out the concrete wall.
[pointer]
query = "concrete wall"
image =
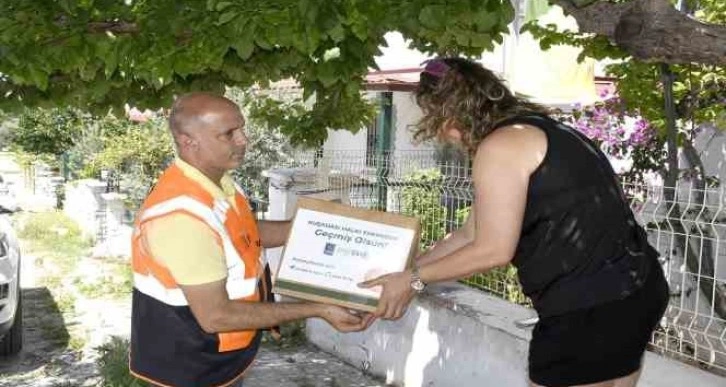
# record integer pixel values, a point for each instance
(405, 115)
(711, 145)
(457, 336)
(453, 336)
(100, 215)
(344, 140)
(84, 204)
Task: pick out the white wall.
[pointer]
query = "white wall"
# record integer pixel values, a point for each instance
(84, 203)
(346, 140)
(100, 215)
(339, 140)
(408, 156)
(711, 144)
(458, 336)
(405, 114)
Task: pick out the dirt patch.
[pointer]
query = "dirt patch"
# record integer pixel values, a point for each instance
(71, 304)
(74, 304)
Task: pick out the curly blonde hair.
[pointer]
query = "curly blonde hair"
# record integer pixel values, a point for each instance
(472, 97)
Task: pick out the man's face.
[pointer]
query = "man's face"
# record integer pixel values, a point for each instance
(223, 143)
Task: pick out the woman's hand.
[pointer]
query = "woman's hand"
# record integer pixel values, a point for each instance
(397, 293)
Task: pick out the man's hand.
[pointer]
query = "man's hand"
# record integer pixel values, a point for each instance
(273, 233)
(396, 295)
(215, 312)
(344, 321)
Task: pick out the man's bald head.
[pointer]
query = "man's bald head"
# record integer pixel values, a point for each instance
(208, 131)
(195, 111)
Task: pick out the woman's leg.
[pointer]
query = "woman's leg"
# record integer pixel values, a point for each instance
(629, 380)
(625, 381)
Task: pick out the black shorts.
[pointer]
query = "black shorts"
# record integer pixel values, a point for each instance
(600, 343)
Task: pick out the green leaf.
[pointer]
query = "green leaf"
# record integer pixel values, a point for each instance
(67, 5)
(545, 44)
(312, 39)
(38, 77)
(582, 3)
(507, 13)
(227, 17)
(299, 43)
(189, 45)
(327, 75)
(486, 21)
(482, 40)
(111, 59)
(244, 48)
(337, 33)
(535, 9)
(263, 42)
(310, 12)
(221, 6)
(462, 38)
(432, 16)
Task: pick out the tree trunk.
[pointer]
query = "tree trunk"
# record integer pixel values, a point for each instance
(651, 30)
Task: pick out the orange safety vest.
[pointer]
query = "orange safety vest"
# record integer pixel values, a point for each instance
(168, 347)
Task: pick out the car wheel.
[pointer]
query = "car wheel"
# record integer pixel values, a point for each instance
(12, 343)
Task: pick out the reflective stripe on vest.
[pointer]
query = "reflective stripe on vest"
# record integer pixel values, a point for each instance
(168, 346)
(237, 286)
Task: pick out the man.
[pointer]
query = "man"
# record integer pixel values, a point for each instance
(201, 294)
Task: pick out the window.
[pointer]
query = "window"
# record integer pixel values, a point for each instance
(372, 139)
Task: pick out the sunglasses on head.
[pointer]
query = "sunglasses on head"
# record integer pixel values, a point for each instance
(436, 67)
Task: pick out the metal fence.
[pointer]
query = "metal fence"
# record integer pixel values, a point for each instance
(687, 226)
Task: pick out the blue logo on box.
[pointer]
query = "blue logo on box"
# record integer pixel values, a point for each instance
(329, 249)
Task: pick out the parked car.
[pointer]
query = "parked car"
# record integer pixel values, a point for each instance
(7, 195)
(4, 188)
(11, 310)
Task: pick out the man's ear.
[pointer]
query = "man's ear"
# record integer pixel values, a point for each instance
(187, 141)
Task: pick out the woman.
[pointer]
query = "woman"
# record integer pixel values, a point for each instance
(547, 200)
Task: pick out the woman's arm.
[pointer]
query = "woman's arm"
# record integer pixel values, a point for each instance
(502, 167)
(450, 243)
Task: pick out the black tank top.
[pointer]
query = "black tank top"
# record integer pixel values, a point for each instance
(580, 244)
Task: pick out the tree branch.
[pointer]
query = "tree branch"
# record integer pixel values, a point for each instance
(652, 31)
(116, 27)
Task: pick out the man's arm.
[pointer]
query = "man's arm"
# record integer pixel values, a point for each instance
(273, 233)
(198, 266)
(215, 312)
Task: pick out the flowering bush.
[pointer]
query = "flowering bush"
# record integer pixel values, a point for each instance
(629, 140)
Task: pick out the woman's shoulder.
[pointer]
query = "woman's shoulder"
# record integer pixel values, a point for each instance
(536, 119)
(518, 142)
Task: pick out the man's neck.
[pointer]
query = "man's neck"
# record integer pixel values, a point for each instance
(213, 174)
